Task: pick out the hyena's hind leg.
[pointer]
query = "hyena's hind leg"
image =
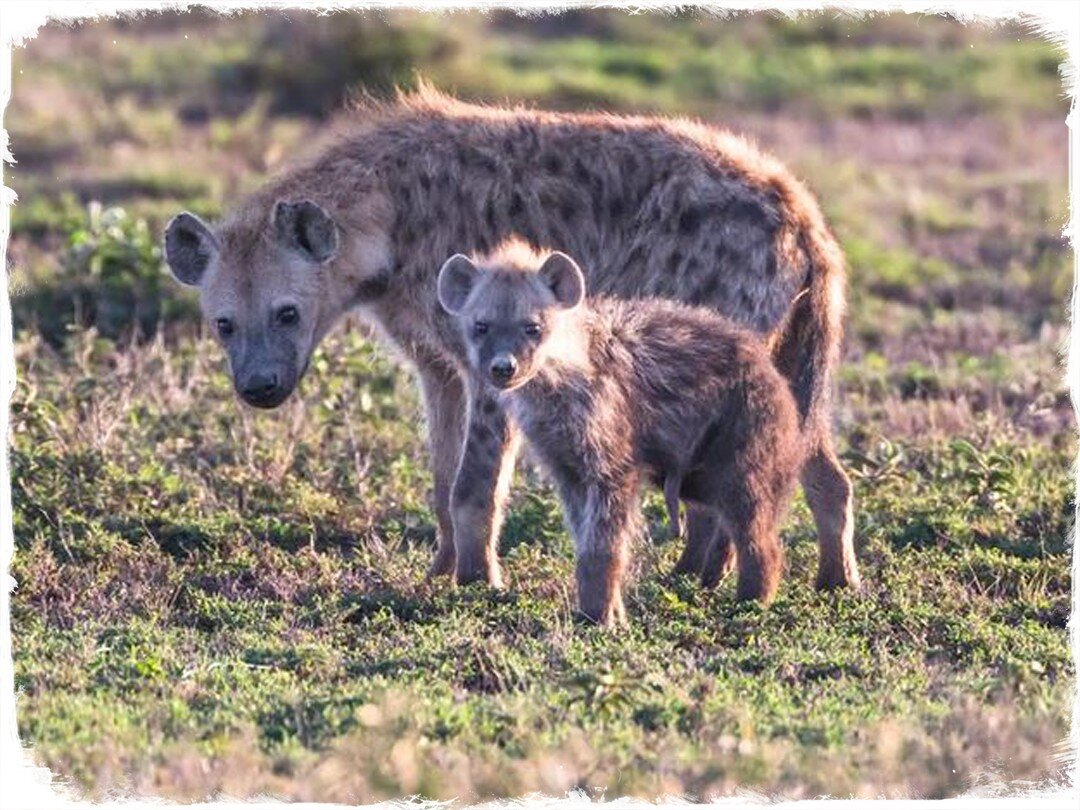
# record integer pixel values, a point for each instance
(829, 496)
(671, 499)
(709, 553)
(720, 559)
(701, 528)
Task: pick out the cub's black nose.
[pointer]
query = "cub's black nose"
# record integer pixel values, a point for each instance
(261, 390)
(503, 368)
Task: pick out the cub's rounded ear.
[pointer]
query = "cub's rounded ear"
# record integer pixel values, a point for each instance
(564, 278)
(306, 228)
(189, 247)
(457, 277)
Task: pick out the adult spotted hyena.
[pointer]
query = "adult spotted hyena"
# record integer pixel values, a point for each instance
(651, 207)
(614, 394)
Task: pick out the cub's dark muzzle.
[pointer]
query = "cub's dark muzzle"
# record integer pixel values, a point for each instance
(503, 369)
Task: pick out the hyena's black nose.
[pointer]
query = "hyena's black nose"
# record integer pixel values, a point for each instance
(261, 390)
(503, 368)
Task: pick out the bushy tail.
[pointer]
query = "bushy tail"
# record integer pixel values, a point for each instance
(807, 347)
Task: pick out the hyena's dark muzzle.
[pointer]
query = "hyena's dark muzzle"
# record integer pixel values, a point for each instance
(264, 389)
(266, 382)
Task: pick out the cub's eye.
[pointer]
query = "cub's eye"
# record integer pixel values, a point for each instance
(533, 330)
(225, 327)
(288, 315)
(479, 328)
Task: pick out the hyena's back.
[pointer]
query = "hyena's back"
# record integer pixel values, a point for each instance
(652, 207)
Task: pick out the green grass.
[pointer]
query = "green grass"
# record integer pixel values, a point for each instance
(217, 601)
(193, 572)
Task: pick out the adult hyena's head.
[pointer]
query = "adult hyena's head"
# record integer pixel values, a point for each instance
(513, 314)
(260, 286)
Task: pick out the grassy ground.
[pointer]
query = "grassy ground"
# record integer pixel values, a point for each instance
(216, 600)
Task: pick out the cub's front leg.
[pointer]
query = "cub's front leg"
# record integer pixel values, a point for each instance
(603, 521)
(481, 488)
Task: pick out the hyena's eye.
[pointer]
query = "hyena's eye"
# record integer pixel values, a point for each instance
(287, 315)
(225, 327)
(533, 330)
(479, 328)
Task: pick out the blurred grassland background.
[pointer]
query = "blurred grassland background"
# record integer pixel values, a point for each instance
(213, 600)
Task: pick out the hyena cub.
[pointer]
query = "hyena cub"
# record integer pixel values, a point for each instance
(615, 394)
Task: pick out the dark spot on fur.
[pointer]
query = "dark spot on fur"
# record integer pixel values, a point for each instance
(723, 255)
(480, 160)
(710, 284)
(425, 182)
(489, 407)
(675, 261)
(517, 205)
(469, 488)
(770, 264)
(746, 211)
(552, 163)
(617, 207)
(371, 288)
(690, 221)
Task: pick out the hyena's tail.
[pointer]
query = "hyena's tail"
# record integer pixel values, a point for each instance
(806, 349)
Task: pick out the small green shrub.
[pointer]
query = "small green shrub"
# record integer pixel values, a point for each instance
(111, 278)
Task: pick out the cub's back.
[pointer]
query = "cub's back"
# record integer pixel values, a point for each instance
(678, 347)
(691, 371)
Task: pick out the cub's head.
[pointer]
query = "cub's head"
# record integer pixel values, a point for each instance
(510, 312)
(261, 290)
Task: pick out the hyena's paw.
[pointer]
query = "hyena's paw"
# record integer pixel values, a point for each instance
(488, 574)
(609, 614)
(688, 565)
(837, 577)
(442, 564)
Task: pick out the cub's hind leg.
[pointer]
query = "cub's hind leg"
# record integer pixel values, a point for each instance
(760, 557)
(749, 518)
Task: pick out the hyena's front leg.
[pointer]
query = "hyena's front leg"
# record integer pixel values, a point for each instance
(445, 402)
(603, 524)
(481, 488)
(701, 528)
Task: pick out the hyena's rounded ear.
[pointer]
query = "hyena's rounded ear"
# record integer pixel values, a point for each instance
(457, 277)
(564, 278)
(189, 247)
(307, 229)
